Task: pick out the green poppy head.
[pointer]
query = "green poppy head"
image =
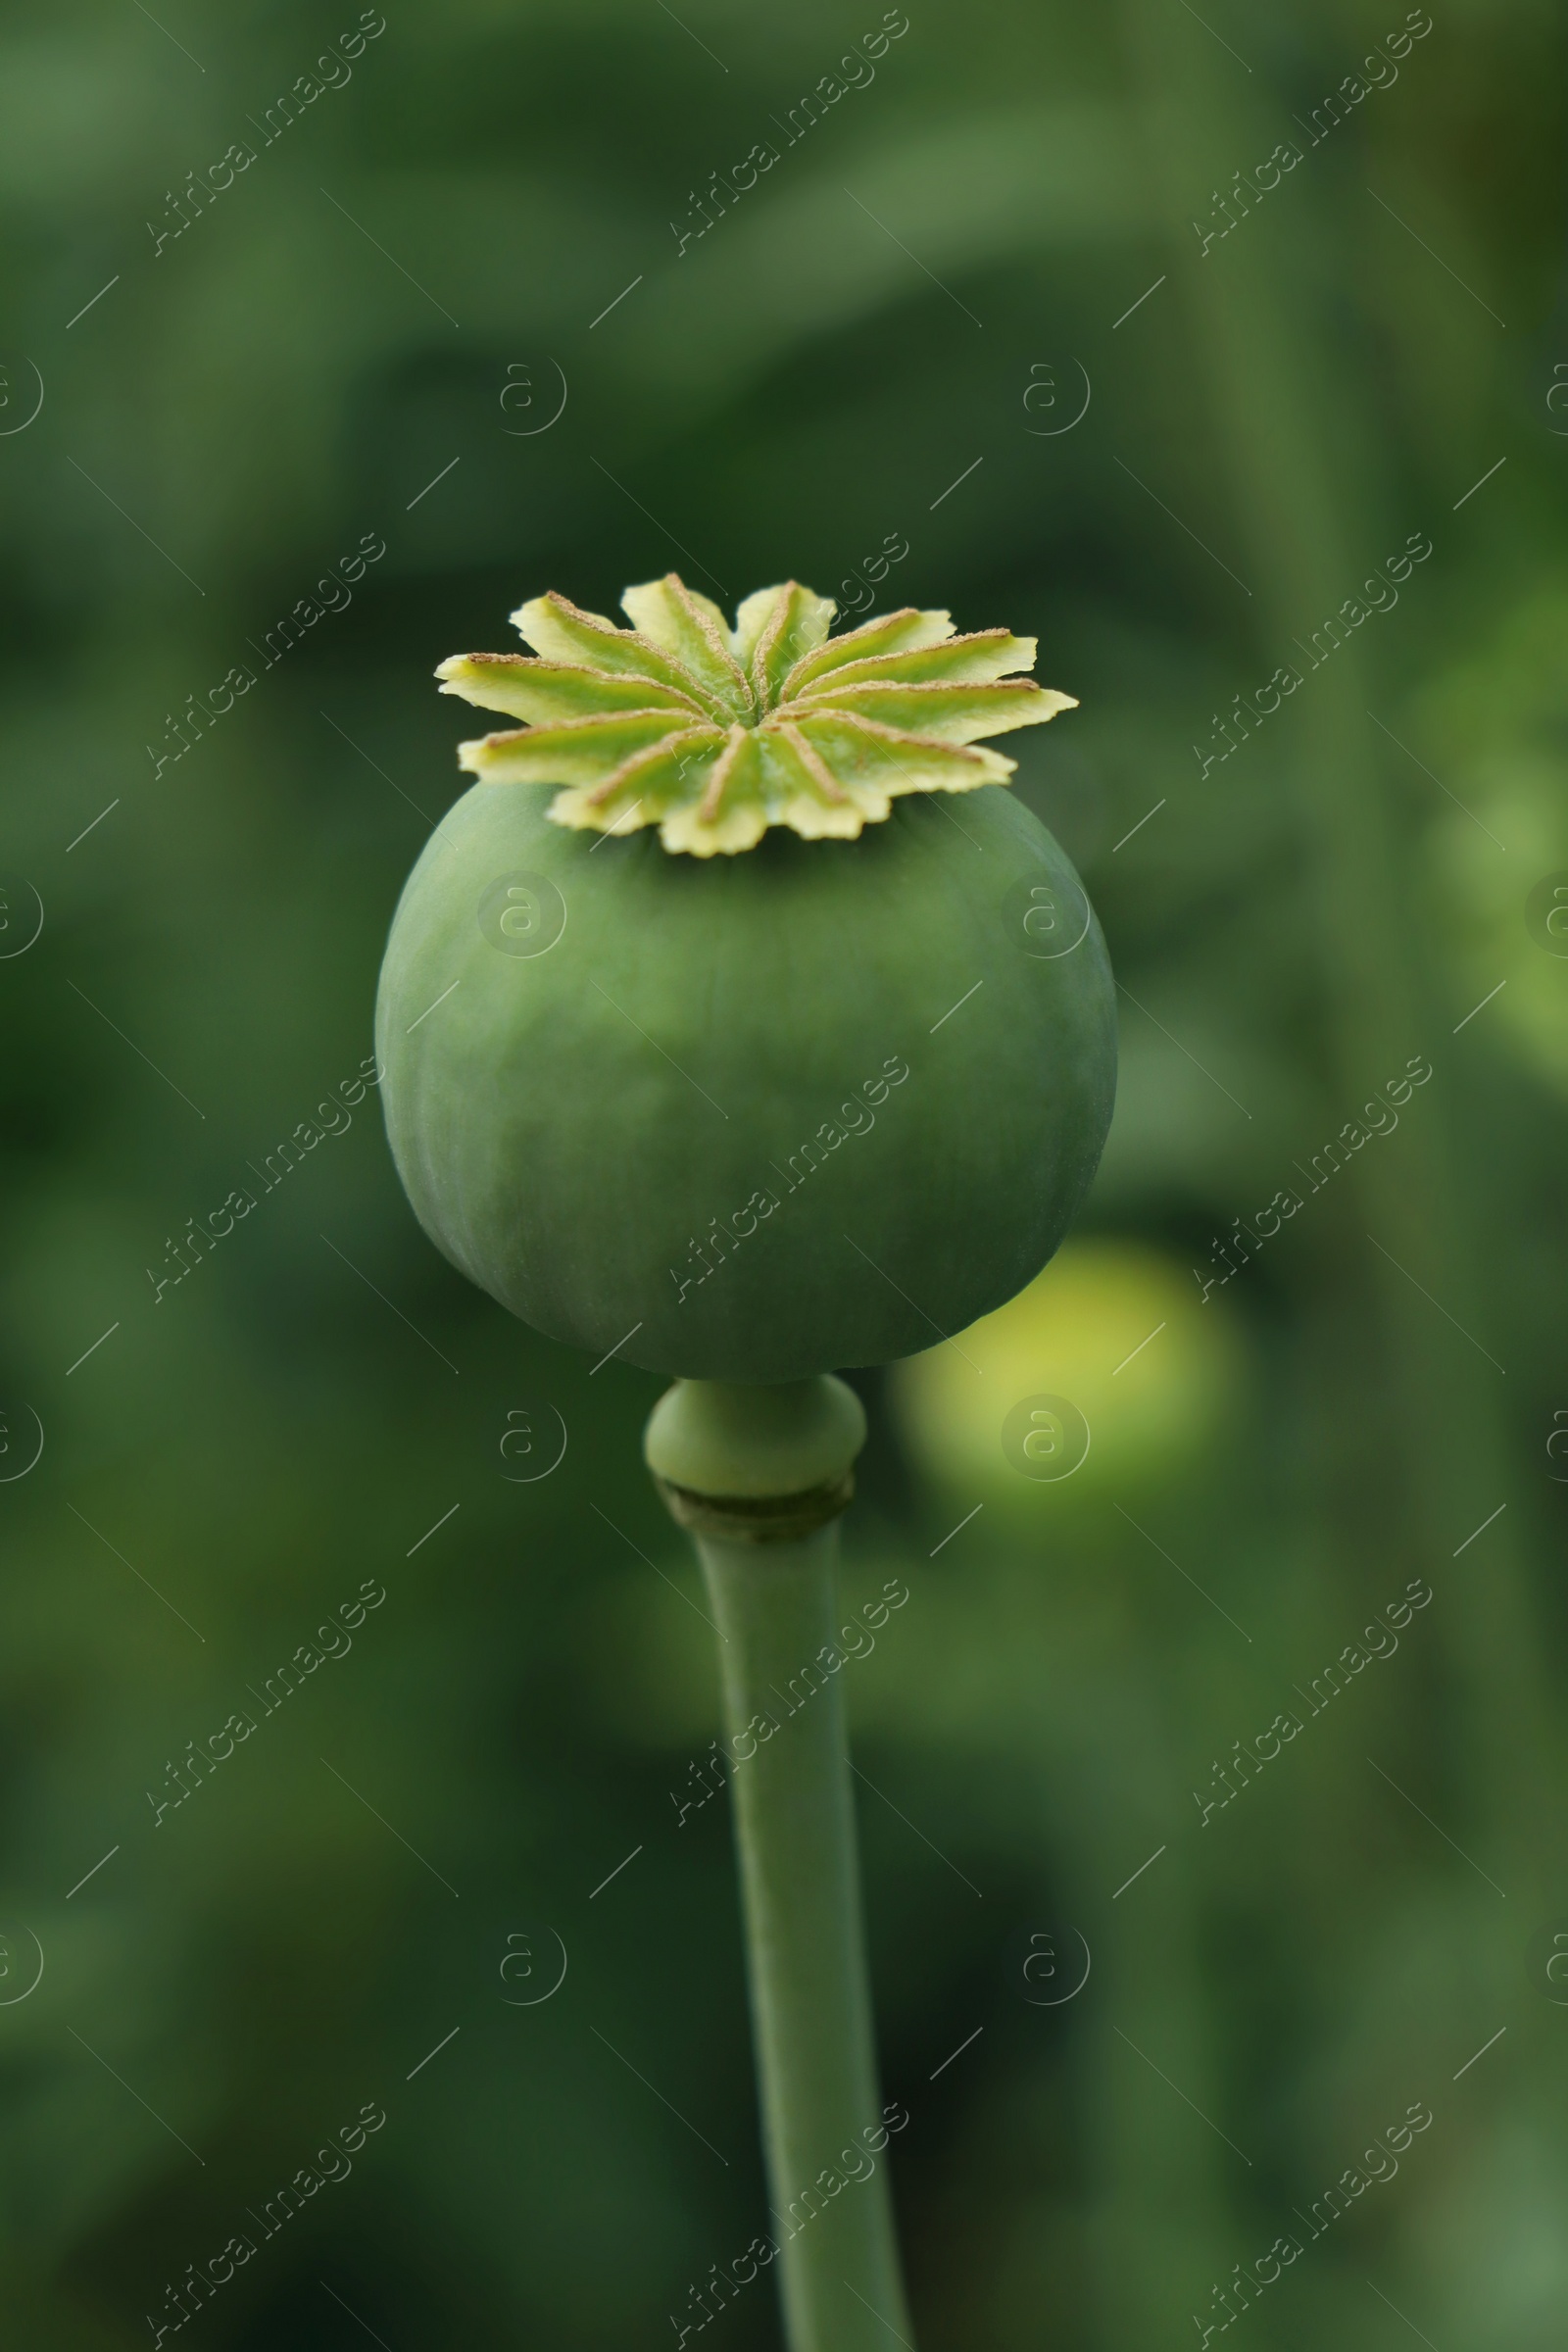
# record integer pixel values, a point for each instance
(746, 1118)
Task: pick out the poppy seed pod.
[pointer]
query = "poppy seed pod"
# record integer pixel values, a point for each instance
(818, 1074)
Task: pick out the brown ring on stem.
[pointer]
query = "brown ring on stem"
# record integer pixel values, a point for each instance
(758, 1518)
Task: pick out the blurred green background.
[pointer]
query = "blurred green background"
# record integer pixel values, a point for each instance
(370, 332)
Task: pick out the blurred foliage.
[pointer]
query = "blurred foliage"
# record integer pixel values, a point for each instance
(482, 216)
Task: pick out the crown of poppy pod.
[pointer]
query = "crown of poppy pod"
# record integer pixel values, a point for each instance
(716, 733)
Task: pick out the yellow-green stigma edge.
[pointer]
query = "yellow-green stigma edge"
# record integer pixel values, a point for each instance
(713, 733)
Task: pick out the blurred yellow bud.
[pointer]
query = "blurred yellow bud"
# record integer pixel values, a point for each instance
(1109, 1371)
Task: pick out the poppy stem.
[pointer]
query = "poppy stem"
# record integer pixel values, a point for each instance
(774, 1469)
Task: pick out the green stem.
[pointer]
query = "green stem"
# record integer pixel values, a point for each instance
(774, 1599)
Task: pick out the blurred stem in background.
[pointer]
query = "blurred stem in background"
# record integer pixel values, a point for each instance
(1300, 457)
(1159, 2184)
